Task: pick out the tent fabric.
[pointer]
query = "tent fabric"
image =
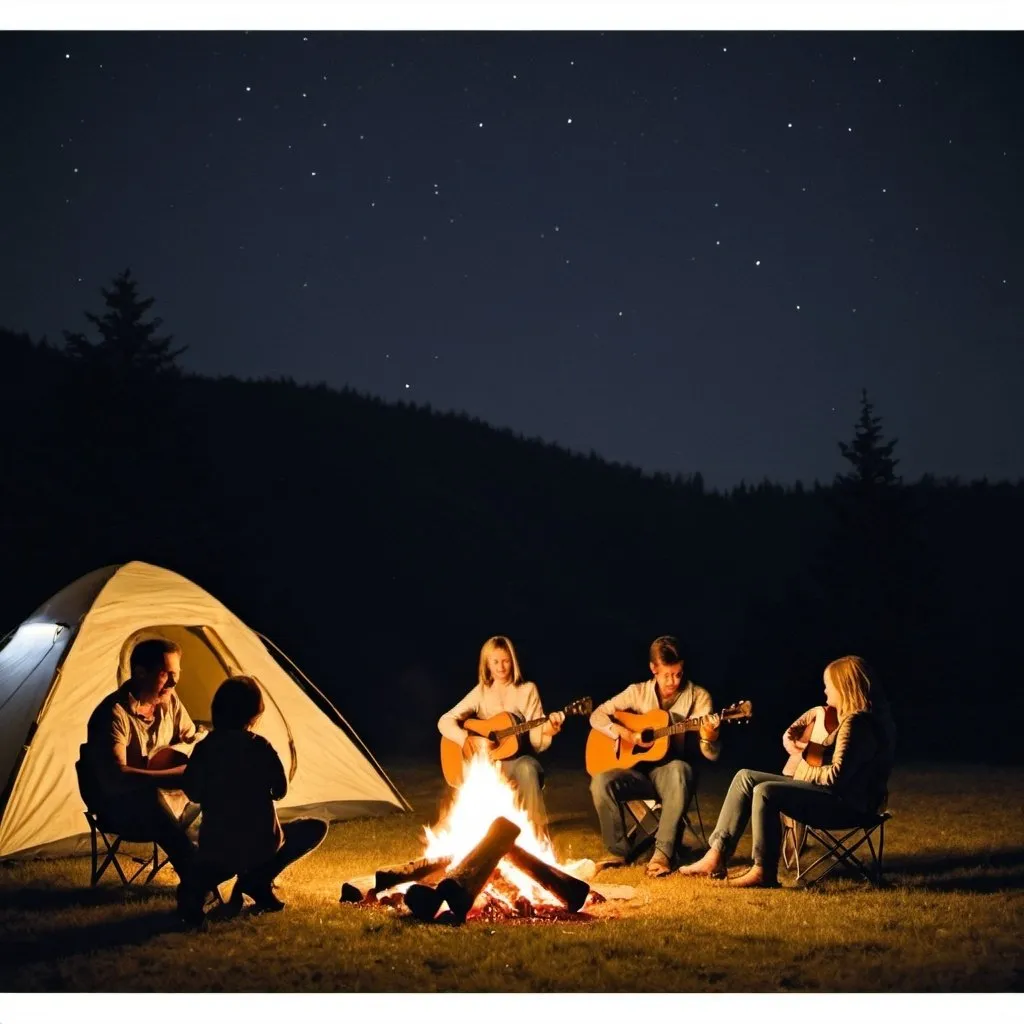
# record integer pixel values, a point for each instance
(62, 661)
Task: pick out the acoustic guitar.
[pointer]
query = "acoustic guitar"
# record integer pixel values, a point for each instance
(173, 798)
(655, 728)
(816, 739)
(504, 732)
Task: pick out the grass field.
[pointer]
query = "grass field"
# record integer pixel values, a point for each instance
(949, 920)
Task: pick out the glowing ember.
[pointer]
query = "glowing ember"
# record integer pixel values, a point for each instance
(484, 795)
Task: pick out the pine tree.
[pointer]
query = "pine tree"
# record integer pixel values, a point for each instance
(870, 456)
(129, 347)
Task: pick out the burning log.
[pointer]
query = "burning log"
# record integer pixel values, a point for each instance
(504, 887)
(571, 891)
(462, 885)
(355, 890)
(425, 869)
(423, 900)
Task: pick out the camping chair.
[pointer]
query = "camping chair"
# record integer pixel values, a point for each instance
(640, 820)
(839, 846)
(101, 830)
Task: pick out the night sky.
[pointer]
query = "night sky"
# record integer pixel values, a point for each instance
(683, 250)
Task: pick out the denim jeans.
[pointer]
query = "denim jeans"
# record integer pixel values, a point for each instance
(672, 783)
(527, 776)
(759, 797)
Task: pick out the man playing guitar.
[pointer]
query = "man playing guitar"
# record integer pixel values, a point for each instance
(672, 781)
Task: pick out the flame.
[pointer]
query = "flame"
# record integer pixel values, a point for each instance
(485, 794)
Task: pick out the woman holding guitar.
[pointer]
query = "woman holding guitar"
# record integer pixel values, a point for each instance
(501, 688)
(830, 795)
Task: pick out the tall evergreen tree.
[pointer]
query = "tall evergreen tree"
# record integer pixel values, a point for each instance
(129, 346)
(869, 456)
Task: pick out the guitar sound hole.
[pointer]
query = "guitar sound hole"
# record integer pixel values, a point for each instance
(647, 737)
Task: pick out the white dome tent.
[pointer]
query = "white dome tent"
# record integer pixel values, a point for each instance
(60, 663)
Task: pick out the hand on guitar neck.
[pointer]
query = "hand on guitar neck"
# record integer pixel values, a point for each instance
(476, 744)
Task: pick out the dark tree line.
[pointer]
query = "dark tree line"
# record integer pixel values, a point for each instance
(379, 544)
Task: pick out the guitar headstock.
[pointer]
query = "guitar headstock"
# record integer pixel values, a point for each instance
(738, 711)
(583, 706)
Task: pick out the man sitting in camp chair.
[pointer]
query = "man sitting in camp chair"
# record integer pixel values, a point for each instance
(143, 715)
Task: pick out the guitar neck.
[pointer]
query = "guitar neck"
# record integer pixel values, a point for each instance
(520, 728)
(689, 725)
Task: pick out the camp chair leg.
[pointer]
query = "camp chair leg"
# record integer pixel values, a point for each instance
(640, 824)
(794, 838)
(111, 858)
(637, 833)
(93, 874)
(881, 850)
(157, 862)
(687, 824)
(836, 850)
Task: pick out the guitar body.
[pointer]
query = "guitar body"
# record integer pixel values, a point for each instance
(604, 753)
(453, 756)
(816, 734)
(169, 757)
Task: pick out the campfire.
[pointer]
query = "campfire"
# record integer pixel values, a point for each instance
(482, 860)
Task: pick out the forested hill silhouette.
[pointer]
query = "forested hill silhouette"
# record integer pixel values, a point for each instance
(379, 544)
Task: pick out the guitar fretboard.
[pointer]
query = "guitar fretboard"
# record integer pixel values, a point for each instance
(516, 730)
(689, 725)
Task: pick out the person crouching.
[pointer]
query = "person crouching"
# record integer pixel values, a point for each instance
(235, 776)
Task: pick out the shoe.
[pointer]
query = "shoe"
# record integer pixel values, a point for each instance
(262, 894)
(611, 860)
(190, 905)
(658, 866)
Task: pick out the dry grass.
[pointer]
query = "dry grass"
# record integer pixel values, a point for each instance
(949, 921)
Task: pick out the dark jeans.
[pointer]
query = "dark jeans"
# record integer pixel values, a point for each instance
(759, 797)
(527, 776)
(673, 783)
(141, 817)
(301, 836)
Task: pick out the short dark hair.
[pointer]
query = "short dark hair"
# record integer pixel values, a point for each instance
(667, 650)
(148, 655)
(237, 703)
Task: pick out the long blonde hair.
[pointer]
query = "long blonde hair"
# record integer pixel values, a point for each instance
(850, 678)
(497, 643)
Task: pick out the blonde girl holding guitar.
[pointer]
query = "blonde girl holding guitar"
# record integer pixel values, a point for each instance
(500, 688)
(834, 795)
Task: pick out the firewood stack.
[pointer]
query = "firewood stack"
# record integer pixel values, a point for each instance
(445, 893)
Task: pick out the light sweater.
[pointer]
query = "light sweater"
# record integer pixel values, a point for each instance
(691, 701)
(860, 765)
(487, 701)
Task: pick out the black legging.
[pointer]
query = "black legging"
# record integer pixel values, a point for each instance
(301, 836)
